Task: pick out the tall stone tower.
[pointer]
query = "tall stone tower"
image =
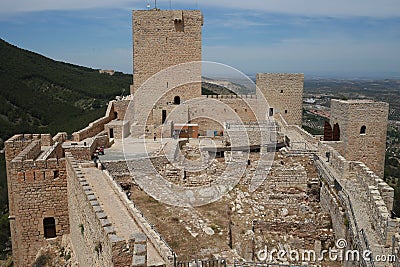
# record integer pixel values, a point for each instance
(37, 193)
(164, 38)
(284, 93)
(362, 127)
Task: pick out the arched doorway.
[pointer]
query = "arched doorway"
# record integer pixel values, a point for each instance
(327, 131)
(336, 132)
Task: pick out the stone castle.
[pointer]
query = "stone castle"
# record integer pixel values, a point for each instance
(58, 195)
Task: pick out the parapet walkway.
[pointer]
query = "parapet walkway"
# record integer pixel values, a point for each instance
(116, 212)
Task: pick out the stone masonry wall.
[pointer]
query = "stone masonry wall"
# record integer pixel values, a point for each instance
(39, 190)
(163, 38)
(92, 235)
(95, 127)
(284, 93)
(36, 189)
(369, 147)
(120, 107)
(330, 204)
(210, 112)
(85, 152)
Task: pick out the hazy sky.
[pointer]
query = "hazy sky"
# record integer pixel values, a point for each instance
(315, 37)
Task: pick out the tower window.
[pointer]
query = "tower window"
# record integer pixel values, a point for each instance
(363, 129)
(281, 91)
(177, 100)
(285, 111)
(163, 116)
(179, 27)
(49, 226)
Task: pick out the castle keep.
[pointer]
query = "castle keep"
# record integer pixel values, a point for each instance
(114, 210)
(362, 126)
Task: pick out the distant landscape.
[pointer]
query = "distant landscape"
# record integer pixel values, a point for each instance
(40, 95)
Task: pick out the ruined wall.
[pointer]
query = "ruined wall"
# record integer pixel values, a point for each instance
(92, 235)
(284, 93)
(85, 151)
(368, 147)
(360, 183)
(37, 190)
(163, 38)
(95, 127)
(120, 107)
(330, 204)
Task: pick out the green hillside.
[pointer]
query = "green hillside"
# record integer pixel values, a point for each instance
(39, 95)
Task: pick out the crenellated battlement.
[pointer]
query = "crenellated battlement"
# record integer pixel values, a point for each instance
(94, 230)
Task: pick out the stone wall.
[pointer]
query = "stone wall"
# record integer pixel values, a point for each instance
(249, 133)
(370, 181)
(95, 127)
(309, 138)
(164, 38)
(120, 107)
(146, 227)
(368, 147)
(36, 190)
(363, 185)
(284, 93)
(92, 235)
(85, 151)
(330, 204)
(119, 129)
(337, 162)
(39, 190)
(287, 176)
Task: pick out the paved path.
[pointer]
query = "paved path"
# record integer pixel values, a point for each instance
(116, 212)
(130, 148)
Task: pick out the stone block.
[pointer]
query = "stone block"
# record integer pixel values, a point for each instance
(140, 249)
(140, 238)
(139, 261)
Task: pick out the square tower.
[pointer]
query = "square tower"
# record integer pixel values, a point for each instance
(362, 127)
(164, 38)
(284, 94)
(37, 193)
